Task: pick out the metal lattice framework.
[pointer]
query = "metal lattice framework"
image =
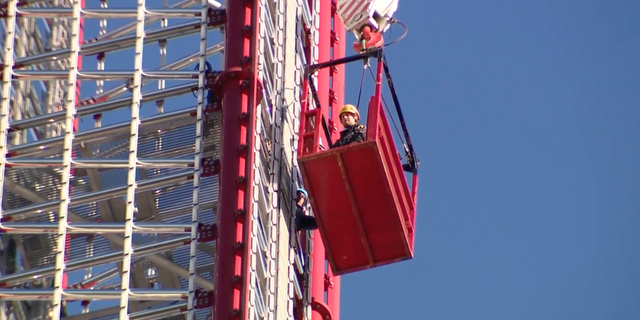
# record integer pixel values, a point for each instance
(109, 205)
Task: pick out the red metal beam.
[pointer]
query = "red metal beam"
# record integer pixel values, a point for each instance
(331, 92)
(318, 255)
(337, 79)
(239, 86)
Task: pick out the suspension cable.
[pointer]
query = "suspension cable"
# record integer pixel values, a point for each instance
(364, 68)
(404, 34)
(386, 106)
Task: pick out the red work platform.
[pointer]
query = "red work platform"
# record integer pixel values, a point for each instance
(362, 207)
(358, 192)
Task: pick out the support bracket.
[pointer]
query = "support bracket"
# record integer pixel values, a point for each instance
(217, 17)
(322, 309)
(204, 299)
(207, 232)
(235, 74)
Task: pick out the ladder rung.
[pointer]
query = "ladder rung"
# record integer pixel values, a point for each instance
(312, 112)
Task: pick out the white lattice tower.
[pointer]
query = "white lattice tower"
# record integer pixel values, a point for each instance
(132, 194)
(140, 178)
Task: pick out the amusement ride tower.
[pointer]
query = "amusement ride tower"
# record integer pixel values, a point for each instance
(149, 158)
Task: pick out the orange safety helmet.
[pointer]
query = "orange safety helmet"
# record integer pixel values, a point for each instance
(349, 108)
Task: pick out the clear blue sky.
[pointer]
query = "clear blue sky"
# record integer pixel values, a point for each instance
(526, 117)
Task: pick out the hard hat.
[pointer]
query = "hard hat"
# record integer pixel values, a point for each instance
(349, 108)
(306, 195)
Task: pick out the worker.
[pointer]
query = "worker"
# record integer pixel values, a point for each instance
(304, 221)
(353, 131)
(9, 253)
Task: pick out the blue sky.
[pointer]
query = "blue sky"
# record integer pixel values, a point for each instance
(525, 116)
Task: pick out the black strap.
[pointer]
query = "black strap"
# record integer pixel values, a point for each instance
(413, 161)
(314, 93)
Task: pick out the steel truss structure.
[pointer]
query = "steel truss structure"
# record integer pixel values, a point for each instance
(114, 209)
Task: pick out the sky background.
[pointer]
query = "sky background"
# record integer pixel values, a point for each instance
(525, 115)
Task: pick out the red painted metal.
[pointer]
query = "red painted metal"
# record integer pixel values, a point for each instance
(331, 93)
(333, 294)
(372, 40)
(338, 72)
(239, 101)
(308, 141)
(322, 309)
(337, 80)
(364, 209)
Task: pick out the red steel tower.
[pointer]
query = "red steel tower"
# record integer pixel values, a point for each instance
(186, 206)
(149, 159)
(311, 34)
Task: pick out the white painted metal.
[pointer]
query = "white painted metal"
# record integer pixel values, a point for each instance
(296, 177)
(130, 209)
(358, 13)
(5, 97)
(67, 153)
(5, 101)
(195, 206)
(30, 159)
(108, 13)
(140, 173)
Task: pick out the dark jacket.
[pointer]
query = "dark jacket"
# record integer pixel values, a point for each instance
(356, 133)
(303, 221)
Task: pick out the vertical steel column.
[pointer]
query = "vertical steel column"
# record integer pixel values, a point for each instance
(5, 96)
(331, 92)
(317, 252)
(239, 88)
(136, 95)
(336, 40)
(197, 170)
(337, 73)
(75, 126)
(65, 187)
